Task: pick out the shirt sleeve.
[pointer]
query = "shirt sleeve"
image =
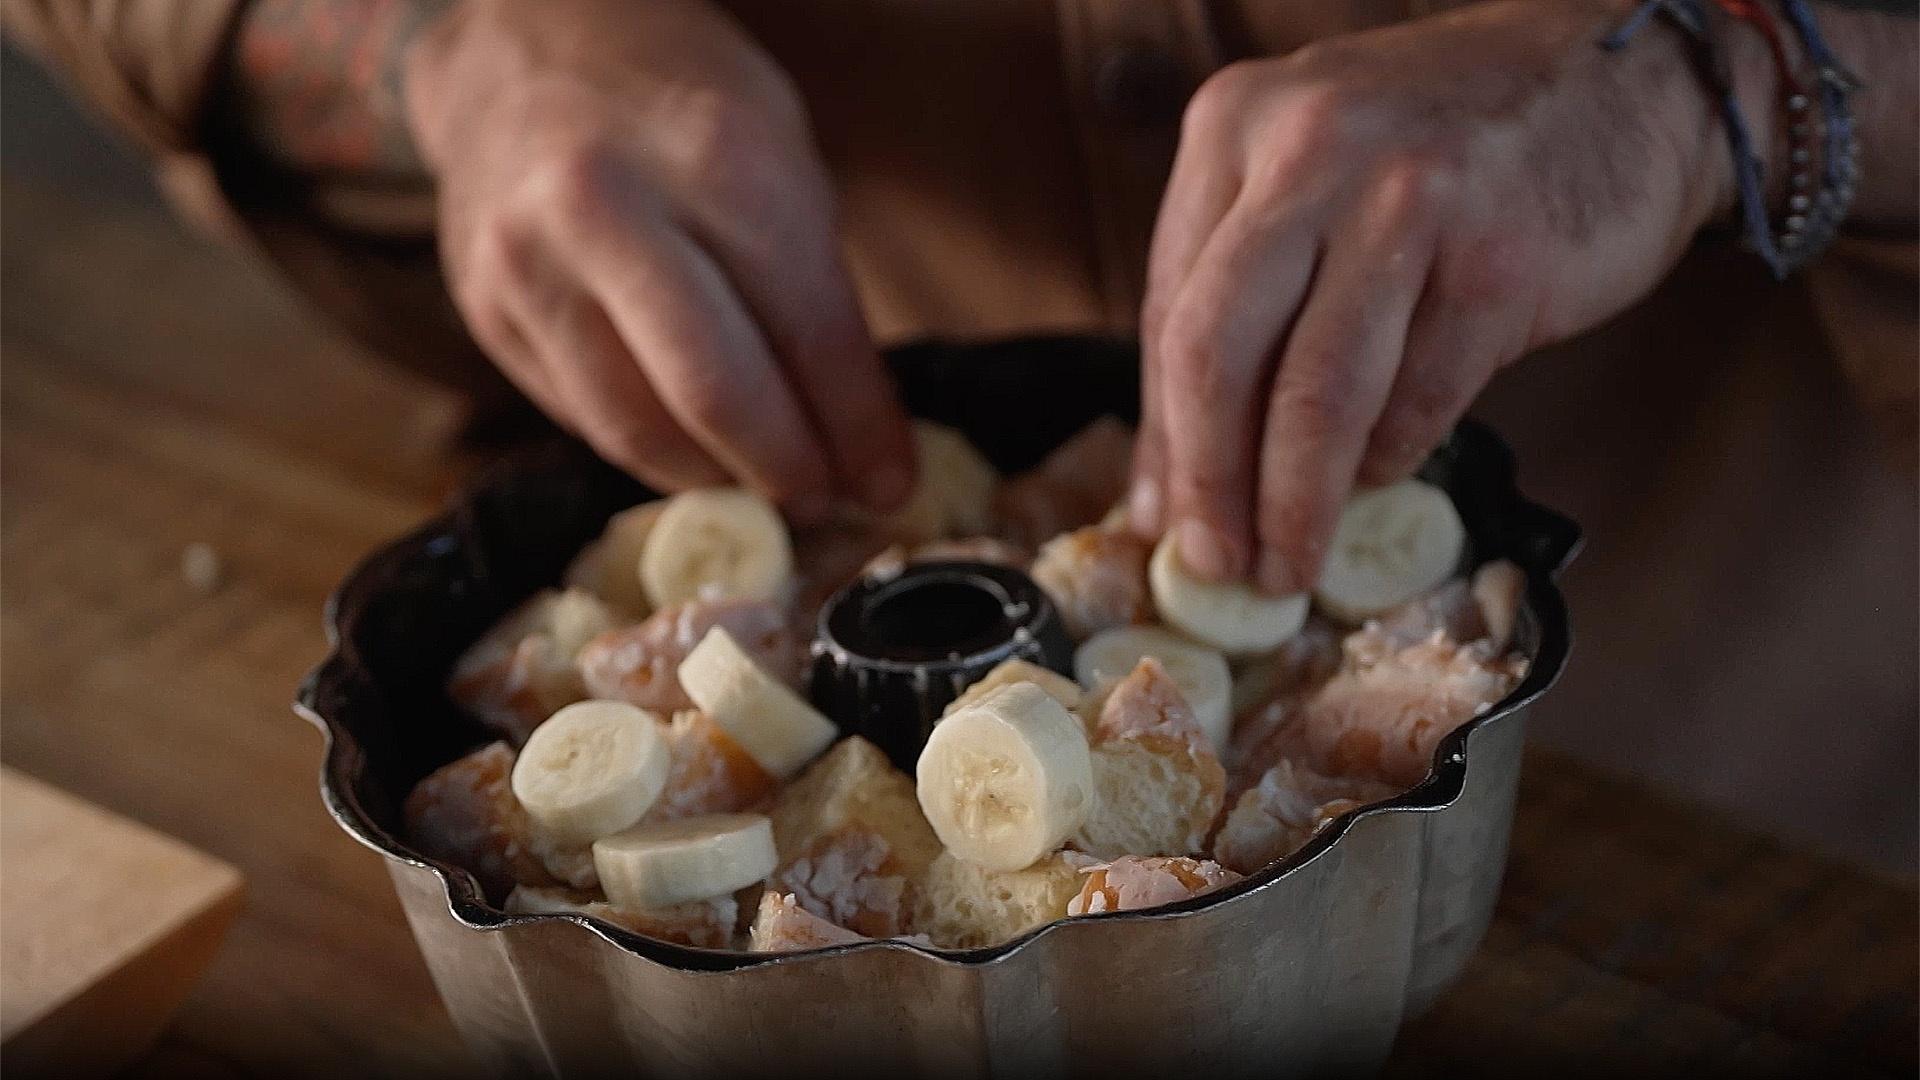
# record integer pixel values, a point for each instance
(148, 65)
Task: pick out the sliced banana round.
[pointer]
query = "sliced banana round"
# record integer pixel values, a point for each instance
(595, 767)
(1005, 781)
(717, 544)
(774, 725)
(1392, 544)
(609, 567)
(1199, 672)
(659, 864)
(953, 492)
(1232, 617)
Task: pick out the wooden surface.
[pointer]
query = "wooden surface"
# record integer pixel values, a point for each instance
(104, 926)
(158, 393)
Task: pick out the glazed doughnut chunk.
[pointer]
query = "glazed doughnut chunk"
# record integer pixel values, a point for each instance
(1132, 882)
(1291, 802)
(640, 664)
(464, 813)
(850, 878)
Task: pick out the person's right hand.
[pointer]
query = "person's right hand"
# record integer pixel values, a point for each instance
(636, 226)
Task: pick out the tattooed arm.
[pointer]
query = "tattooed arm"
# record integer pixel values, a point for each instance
(632, 218)
(316, 85)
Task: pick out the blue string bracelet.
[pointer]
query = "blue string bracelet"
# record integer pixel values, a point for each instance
(1813, 218)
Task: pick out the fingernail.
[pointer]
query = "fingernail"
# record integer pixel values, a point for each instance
(1205, 551)
(1275, 575)
(1143, 507)
(886, 487)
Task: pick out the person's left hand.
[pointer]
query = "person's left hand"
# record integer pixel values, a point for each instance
(1358, 235)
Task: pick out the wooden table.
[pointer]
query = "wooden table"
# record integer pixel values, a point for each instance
(161, 393)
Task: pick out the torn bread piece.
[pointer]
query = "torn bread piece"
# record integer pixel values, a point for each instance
(522, 670)
(1096, 578)
(952, 492)
(1158, 783)
(961, 906)
(854, 783)
(1073, 486)
(1499, 588)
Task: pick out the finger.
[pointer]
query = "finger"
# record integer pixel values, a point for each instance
(1217, 349)
(1199, 192)
(512, 351)
(1332, 384)
(609, 398)
(786, 264)
(481, 295)
(1459, 336)
(1147, 476)
(678, 314)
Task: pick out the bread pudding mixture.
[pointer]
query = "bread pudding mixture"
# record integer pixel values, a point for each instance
(657, 765)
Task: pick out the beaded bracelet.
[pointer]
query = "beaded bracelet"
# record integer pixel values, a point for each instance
(1813, 214)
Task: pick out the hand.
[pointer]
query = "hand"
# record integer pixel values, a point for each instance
(1357, 236)
(637, 228)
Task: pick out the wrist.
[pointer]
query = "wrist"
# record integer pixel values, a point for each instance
(1754, 78)
(316, 86)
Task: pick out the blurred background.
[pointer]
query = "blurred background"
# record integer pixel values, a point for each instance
(192, 458)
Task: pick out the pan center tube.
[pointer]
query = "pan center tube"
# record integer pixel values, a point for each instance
(890, 653)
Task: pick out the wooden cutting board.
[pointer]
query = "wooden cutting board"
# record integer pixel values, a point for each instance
(105, 925)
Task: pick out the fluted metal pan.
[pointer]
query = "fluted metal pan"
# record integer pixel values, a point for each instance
(1306, 968)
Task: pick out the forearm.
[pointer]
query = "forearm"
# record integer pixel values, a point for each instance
(314, 86)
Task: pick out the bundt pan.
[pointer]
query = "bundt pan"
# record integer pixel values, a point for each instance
(1307, 968)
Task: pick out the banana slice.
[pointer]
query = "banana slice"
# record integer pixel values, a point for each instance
(595, 767)
(953, 495)
(609, 567)
(1199, 673)
(716, 544)
(1006, 780)
(1233, 618)
(1392, 544)
(663, 863)
(774, 725)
